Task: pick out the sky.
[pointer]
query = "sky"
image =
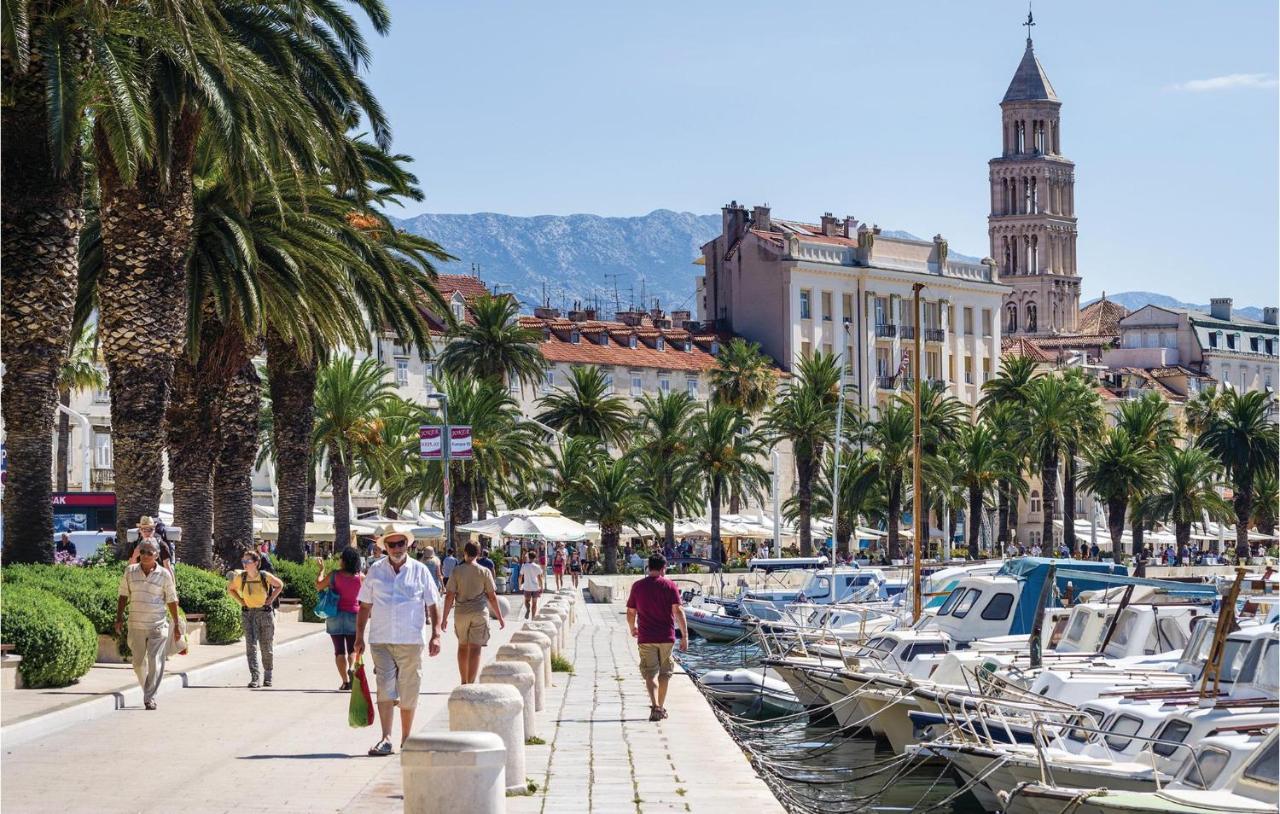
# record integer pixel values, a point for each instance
(884, 111)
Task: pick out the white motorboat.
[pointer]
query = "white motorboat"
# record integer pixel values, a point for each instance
(751, 693)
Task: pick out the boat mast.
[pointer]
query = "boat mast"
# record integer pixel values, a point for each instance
(921, 523)
(1226, 621)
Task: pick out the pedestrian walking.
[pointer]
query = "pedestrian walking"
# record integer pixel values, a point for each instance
(1140, 560)
(148, 590)
(256, 591)
(558, 564)
(432, 562)
(484, 560)
(147, 531)
(471, 594)
(513, 573)
(341, 627)
(447, 565)
(653, 612)
(575, 569)
(532, 583)
(397, 601)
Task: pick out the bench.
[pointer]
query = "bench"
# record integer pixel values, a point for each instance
(290, 600)
(5, 648)
(598, 592)
(195, 617)
(10, 678)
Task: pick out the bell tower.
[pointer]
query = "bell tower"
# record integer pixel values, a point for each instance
(1033, 219)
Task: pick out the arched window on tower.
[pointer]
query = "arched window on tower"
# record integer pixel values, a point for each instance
(1011, 318)
(1031, 317)
(1035, 196)
(1009, 267)
(1033, 261)
(1026, 196)
(1005, 198)
(1021, 130)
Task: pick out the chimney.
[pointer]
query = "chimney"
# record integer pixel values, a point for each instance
(830, 226)
(760, 217)
(632, 318)
(850, 227)
(1220, 308)
(546, 312)
(1271, 315)
(734, 218)
(580, 314)
(681, 319)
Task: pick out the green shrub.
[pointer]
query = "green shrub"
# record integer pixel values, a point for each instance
(92, 591)
(201, 591)
(299, 580)
(57, 643)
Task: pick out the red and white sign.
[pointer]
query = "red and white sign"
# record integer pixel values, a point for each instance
(460, 443)
(430, 442)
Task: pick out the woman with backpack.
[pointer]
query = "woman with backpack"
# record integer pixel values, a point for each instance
(346, 582)
(256, 591)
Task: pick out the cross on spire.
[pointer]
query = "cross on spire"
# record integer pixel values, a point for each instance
(1029, 23)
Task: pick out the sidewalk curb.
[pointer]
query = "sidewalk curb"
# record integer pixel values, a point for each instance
(38, 726)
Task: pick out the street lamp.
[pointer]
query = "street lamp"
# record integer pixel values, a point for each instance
(446, 441)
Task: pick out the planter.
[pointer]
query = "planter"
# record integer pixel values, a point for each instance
(109, 650)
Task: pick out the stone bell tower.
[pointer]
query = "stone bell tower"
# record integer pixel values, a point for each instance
(1033, 219)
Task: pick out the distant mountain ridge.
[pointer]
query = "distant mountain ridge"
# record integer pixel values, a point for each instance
(605, 261)
(1133, 300)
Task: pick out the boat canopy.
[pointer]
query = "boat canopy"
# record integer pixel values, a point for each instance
(1032, 572)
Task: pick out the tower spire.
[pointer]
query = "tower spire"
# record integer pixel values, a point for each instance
(1031, 21)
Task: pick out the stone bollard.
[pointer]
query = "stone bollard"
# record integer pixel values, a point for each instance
(448, 772)
(494, 708)
(548, 629)
(559, 620)
(519, 675)
(541, 640)
(505, 604)
(530, 654)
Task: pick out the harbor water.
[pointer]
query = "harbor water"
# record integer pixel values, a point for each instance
(815, 767)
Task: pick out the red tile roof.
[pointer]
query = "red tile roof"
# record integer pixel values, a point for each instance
(466, 285)
(557, 347)
(1102, 318)
(1021, 346)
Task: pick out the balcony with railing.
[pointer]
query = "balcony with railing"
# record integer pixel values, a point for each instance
(886, 330)
(907, 331)
(884, 382)
(935, 335)
(937, 384)
(102, 479)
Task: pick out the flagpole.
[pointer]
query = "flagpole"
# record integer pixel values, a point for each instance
(921, 523)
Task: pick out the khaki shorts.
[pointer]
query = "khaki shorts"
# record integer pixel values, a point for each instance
(472, 628)
(655, 660)
(399, 671)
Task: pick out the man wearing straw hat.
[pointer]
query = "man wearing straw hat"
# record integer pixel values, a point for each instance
(397, 600)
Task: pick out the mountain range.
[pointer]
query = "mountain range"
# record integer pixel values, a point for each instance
(614, 263)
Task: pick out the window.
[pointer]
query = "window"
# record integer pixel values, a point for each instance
(998, 608)
(660, 343)
(1204, 767)
(1170, 635)
(968, 370)
(1253, 344)
(986, 370)
(402, 372)
(882, 363)
(1231, 341)
(1121, 729)
(608, 383)
(968, 322)
(827, 349)
(102, 395)
(664, 384)
(691, 387)
(1213, 339)
(1035, 502)
(966, 604)
(637, 385)
(882, 311)
(603, 338)
(806, 350)
(1271, 347)
(986, 322)
(826, 306)
(101, 449)
(951, 601)
(458, 310)
(631, 341)
(574, 336)
(1172, 733)
(806, 308)
(1226, 373)
(1090, 718)
(548, 381)
(846, 308)
(923, 649)
(1264, 766)
(1250, 663)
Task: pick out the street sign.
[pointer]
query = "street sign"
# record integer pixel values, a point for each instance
(430, 442)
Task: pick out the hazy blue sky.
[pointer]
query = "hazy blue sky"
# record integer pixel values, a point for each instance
(887, 111)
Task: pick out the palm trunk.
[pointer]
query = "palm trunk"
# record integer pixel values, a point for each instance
(192, 439)
(1003, 499)
(609, 542)
(975, 520)
(146, 236)
(1049, 488)
(459, 504)
(1135, 528)
(292, 381)
(735, 504)
(61, 460)
(1182, 533)
(717, 489)
(482, 498)
(41, 216)
(669, 524)
(895, 516)
(233, 479)
(340, 486)
(1242, 502)
(1069, 498)
(844, 532)
(1116, 507)
(804, 501)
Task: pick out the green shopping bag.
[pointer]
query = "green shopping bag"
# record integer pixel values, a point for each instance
(360, 710)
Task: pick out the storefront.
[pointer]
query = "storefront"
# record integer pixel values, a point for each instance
(83, 511)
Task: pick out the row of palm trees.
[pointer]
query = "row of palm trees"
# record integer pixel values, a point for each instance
(185, 177)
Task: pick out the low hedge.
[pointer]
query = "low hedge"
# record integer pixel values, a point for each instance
(57, 642)
(299, 580)
(201, 591)
(92, 591)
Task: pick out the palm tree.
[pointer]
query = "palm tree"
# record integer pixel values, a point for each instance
(79, 371)
(982, 463)
(350, 399)
(743, 377)
(804, 415)
(1241, 436)
(494, 345)
(1004, 402)
(663, 427)
(1149, 425)
(1266, 498)
(1087, 424)
(587, 408)
(861, 492)
(726, 454)
(1186, 490)
(233, 473)
(1010, 382)
(611, 495)
(1052, 417)
(562, 466)
(892, 434)
(1202, 407)
(1117, 470)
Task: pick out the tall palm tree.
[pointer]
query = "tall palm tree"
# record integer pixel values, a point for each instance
(79, 371)
(982, 463)
(233, 473)
(587, 408)
(1117, 469)
(742, 377)
(861, 493)
(1266, 502)
(350, 399)
(611, 495)
(1087, 424)
(494, 345)
(892, 435)
(725, 453)
(1148, 423)
(663, 426)
(1004, 402)
(1241, 436)
(804, 415)
(1051, 417)
(1202, 407)
(561, 466)
(1186, 490)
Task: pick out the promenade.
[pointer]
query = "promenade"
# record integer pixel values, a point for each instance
(215, 746)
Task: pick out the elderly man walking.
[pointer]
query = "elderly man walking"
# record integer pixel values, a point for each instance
(653, 610)
(470, 593)
(148, 590)
(397, 600)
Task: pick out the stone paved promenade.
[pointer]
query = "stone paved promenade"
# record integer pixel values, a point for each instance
(216, 746)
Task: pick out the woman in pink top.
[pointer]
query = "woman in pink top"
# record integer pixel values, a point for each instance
(342, 627)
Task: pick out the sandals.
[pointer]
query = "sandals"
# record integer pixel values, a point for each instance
(382, 748)
(346, 687)
(655, 713)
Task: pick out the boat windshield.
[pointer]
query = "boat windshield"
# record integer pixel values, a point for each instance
(877, 648)
(951, 601)
(1233, 658)
(1200, 771)
(1173, 733)
(1121, 728)
(1264, 767)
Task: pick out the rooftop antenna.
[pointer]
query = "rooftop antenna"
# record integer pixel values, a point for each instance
(546, 303)
(643, 293)
(617, 300)
(1029, 23)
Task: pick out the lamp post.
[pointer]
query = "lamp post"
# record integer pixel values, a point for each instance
(446, 441)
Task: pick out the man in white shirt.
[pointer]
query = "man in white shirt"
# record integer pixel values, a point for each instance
(531, 584)
(398, 598)
(148, 589)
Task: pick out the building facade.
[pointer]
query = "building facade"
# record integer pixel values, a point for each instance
(845, 288)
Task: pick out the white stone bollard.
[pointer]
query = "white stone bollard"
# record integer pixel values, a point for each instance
(541, 640)
(559, 620)
(505, 604)
(548, 629)
(448, 772)
(531, 655)
(494, 708)
(519, 675)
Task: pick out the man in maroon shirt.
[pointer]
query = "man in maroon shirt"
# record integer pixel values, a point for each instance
(653, 608)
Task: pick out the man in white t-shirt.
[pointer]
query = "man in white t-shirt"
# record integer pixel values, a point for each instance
(532, 583)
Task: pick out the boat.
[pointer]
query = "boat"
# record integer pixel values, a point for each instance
(750, 693)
